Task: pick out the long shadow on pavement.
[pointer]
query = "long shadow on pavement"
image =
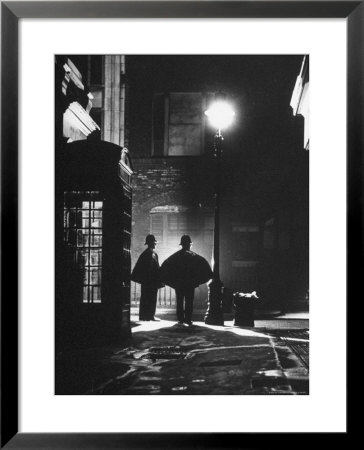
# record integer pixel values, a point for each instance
(168, 359)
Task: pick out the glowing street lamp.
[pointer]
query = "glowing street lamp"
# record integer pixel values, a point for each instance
(220, 115)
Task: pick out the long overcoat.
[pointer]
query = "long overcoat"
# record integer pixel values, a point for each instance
(147, 270)
(185, 269)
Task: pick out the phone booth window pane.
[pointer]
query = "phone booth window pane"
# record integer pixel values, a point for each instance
(96, 294)
(95, 258)
(83, 232)
(95, 276)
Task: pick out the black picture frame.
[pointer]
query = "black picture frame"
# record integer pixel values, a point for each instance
(11, 12)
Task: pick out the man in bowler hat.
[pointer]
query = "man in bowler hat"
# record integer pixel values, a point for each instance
(147, 272)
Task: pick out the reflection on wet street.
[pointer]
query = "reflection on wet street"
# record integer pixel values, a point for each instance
(169, 359)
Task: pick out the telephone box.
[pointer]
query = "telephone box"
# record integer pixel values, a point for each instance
(93, 235)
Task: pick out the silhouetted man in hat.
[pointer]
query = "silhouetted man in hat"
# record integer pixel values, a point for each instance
(147, 272)
(184, 271)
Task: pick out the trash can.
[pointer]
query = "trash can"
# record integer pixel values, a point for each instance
(244, 309)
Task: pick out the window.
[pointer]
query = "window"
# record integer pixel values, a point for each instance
(157, 225)
(83, 232)
(244, 264)
(284, 235)
(159, 110)
(95, 70)
(178, 124)
(91, 68)
(269, 235)
(246, 240)
(277, 232)
(245, 227)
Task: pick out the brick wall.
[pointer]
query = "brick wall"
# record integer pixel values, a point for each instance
(167, 181)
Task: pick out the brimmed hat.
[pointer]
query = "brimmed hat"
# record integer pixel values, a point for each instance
(185, 239)
(150, 239)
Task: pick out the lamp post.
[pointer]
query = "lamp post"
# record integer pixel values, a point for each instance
(220, 115)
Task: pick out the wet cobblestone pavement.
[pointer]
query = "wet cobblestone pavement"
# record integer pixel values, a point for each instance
(163, 358)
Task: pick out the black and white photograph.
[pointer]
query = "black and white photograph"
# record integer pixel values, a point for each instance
(181, 224)
(181, 221)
